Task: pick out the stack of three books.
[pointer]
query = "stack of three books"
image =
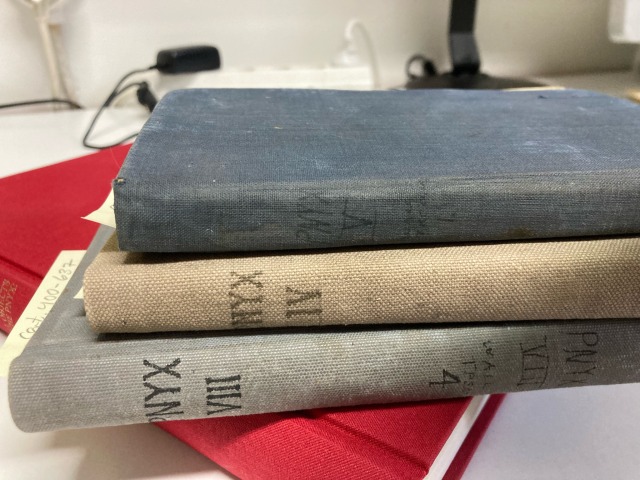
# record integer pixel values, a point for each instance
(405, 440)
(229, 171)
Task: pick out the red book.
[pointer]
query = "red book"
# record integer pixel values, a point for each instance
(40, 212)
(402, 441)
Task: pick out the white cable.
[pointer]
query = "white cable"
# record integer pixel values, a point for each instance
(349, 36)
(41, 10)
(63, 63)
(50, 55)
(635, 65)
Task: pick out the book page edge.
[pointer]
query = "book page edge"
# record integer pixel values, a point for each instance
(450, 448)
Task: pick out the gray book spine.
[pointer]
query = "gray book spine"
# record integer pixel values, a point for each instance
(205, 377)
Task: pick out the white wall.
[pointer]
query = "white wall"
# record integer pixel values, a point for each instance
(104, 39)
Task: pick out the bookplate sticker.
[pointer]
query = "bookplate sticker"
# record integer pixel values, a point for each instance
(52, 286)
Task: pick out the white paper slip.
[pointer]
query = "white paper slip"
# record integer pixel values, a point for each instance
(104, 215)
(52, 286)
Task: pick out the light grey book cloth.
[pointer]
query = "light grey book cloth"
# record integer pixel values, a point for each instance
(70, 377)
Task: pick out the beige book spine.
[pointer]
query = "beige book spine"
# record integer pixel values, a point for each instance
(576, 279)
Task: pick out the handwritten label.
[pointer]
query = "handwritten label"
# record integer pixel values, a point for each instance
(476, 371)
(105, 215)
(52, 286)
(580, 358)
(534, 363)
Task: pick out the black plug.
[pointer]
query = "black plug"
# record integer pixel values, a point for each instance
(175, 60)
(188, 59)
(146, 97)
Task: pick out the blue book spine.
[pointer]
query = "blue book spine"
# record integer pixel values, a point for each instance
(419, 211)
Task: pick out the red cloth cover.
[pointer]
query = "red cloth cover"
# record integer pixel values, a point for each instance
(398, 441)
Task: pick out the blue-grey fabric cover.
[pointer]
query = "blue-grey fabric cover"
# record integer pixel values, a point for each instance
(235, 169)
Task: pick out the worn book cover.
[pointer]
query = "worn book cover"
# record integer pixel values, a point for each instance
(40, 214)
(110, 379)
(536, 280)
(237, 169)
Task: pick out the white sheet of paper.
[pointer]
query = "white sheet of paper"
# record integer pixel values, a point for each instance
(104, 215)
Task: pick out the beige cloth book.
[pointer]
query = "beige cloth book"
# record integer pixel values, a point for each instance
(574, 279)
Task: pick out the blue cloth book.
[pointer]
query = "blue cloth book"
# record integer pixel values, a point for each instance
(242, 170)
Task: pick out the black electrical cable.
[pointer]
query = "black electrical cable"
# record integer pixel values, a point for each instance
(106, 103)
(114, 92)
(171, 61)
(112, 96)
(70, 103)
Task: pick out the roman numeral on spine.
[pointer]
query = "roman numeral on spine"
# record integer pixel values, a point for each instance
(222, 389)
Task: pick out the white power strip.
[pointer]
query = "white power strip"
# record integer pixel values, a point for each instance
(624, 21)
(340, 78)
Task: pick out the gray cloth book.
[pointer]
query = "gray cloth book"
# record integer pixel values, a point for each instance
(243, 170)
(70, 377)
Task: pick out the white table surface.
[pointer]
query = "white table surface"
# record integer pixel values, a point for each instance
(581, 433)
